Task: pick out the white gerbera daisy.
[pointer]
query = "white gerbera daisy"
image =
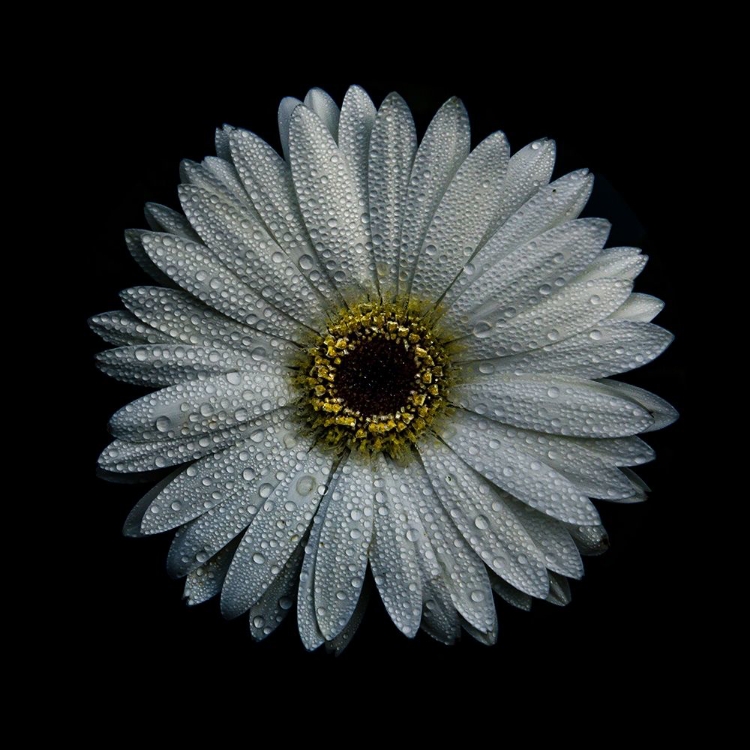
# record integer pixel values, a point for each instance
(378, 353)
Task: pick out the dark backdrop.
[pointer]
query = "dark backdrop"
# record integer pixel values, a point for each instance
(128, 617)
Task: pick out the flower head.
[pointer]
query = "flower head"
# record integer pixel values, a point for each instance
(378, 353)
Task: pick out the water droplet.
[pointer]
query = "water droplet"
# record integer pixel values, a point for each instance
(305, 485)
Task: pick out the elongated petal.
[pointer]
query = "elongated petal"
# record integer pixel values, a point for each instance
(463, 573)
(526, 274)
(610, 347)
(325, 108)
(307, 621)
(392, 148)
(662, 412)
(576, 308)
(523, 476)
(529, 170)
(286, 108)
(159, 365)
(393, 553)
(276, 603)
(268, 181)
(222, 476)
(510, 594)
(163, 219)
(440, 618)
(617, 263)
(206, 581)
(550, 206)
(485, 521)
(463, 219)
(249, 252)
(124, 329)
(204, 406)
(134, 243)
(355, 129)
(181, 317)
(202, 538)
(550, 537)
(554, 404)
(277, 530)
(639, 308)
(342, 550)
(328, 200)
(124, 456)
(559, 593)
(194, 268)
(443, 149)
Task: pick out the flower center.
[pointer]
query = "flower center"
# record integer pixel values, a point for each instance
(375, 380)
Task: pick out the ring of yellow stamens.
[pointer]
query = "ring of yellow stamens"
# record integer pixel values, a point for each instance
(376, 380)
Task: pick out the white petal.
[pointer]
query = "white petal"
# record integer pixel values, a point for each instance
(134, 243)
(277, 529)
(132, 525)
(440, 618)
(554, 404)
(160, 364)
(521, 475)
(193, 267)
(609, 348)
(202, 538)
(163, 219)
(247, 250)
(122, 456)
(222, 476)
(327, 196)
(204, 406)
(307, 622)
(526, 274)
(617, 263)
(286, 108)
(269, 612)
(123, 329)
(268, 181)
(528, 170)
(393, 554)
(355, 127)
(325, 108)
(181, 317)
(551, 537)
(552, 205)
(641, 308)
(485, 520)
(559, 591)
(205, 582)
(443, 149)
(463, 220)
(662, 412)
(488, 638)
(576, 308)
(462, 571)
(392, 147)
(343, 639)
(590, 540)
(341, 560)
(224, 183)
(510, 594)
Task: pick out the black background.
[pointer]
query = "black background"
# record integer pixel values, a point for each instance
(126, 615)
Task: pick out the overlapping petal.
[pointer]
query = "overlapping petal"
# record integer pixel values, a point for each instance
(535, 313)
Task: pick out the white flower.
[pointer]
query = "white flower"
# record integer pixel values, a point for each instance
(374, 352)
